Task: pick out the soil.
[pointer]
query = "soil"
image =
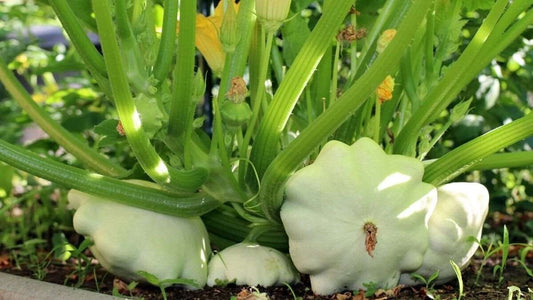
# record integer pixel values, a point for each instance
(487, 287)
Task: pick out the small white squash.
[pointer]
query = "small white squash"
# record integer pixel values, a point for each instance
(251, 264)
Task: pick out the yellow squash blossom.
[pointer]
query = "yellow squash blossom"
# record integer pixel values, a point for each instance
(207, 37)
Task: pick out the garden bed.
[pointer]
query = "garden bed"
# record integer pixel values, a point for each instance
(487, 287)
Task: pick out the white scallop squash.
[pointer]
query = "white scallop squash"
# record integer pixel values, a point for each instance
(357, 216)
(459, 215)
(128, 239)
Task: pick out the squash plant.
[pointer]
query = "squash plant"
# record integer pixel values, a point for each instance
(375, 74)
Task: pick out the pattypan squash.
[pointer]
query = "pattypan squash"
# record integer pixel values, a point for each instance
(128, 239)
(357, 216)
(251, 264)
(460, 214)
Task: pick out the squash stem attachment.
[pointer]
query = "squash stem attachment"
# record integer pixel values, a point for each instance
(371, 240)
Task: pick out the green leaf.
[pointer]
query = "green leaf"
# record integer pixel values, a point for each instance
(460, 110)
(433, 276)
(152, 279)
(132, 285)
(371, 288)
(448, 28)
(107, 128)
(151, 114)
(62, 248)
(457, 271)
(108, 133)
(82, 122)
(83, 10)
(294, 32)
(198, 122)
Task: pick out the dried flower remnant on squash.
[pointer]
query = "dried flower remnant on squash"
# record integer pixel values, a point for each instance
(371, 232)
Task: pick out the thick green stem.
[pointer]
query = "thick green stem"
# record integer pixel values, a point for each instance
(148, 158)
(504, 160)
(132, 59)
(78, 36)
(163, 63)
(218, 140)
(182, 205)
(271, 191)
(257, 97)
(467, 155)
(182, 105)
(63, 137)
(266, 144)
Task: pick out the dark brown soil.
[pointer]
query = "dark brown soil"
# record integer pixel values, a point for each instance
(487, 287)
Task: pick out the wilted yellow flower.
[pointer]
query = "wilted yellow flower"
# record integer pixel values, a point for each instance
(384, 39)
(237, 91)
(207, 37)
(385, 89)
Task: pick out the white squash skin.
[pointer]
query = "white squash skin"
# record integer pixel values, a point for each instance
(361, 184)
(251, 264)
(460, 213)
(128, 239)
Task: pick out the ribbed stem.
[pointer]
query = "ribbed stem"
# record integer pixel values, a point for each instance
(163, 63)
(504, 160)
(256, 102)
(181, 106)
(463, 157)
(182, 205)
